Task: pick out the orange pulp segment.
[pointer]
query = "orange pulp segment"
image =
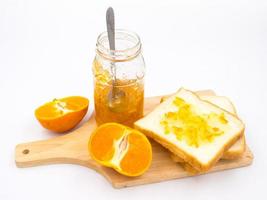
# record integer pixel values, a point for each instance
(61, 115)
(126, 150)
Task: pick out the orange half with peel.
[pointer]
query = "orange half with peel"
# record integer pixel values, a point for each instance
(61, 115)
(126, 150)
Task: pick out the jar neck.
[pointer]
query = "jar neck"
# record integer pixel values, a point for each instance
(127, 46)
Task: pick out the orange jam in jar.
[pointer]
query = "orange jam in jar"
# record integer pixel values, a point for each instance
(119, 79)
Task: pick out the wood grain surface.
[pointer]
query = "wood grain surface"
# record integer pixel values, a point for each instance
(72, 148)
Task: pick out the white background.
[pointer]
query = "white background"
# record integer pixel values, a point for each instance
(46, 51)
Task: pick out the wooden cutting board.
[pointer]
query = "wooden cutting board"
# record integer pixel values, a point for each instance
(72, 148)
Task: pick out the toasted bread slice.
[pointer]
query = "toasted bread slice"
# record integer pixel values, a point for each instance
(237, 149)
(202, 156)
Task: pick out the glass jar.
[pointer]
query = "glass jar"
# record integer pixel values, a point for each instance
(119, 79)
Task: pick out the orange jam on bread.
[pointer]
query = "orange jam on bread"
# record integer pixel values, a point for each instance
(189, 126)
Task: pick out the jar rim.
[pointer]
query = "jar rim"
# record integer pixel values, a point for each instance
(119, 55)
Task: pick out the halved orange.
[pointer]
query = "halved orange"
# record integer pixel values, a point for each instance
(61, 115)
(126, 150)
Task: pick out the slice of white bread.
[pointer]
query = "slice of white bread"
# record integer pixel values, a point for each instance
(204, 156)
(238, 148)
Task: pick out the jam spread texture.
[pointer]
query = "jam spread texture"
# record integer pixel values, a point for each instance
(192, 127)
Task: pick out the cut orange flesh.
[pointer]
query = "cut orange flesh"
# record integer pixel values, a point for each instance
(61, 115)
(126, 150)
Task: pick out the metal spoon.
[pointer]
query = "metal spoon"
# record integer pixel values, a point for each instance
(116, 97)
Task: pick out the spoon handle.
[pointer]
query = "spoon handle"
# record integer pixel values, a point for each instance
(110, 20)
(111, 27)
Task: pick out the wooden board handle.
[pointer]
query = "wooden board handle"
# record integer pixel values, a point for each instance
(63, 149)
(36, 153)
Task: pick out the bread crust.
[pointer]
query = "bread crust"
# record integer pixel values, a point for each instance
(231, 155)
